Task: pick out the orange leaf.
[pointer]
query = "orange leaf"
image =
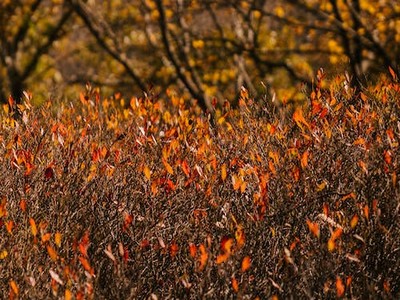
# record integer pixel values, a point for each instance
(226, 245)
(326, 209)
(22, 205)
(84, 244)
(392, 73)
(354, 221)
(246, 263)
(185, 168)
(221, 258)
(240, 237)
(304, 159)
(339, 287)
(235, 285)
(203, 257)
(128, 219)
(313, 227)
(46, 237)
(173, 248)
(14, 287)
(236, 182)
(223, 172)
(33, 226)
(9, 226)
(86, 265)
(366, 212)
(68, 295)
(360, 142)
(52, 253)
(298, 117)
(337, 234)
(192, 250)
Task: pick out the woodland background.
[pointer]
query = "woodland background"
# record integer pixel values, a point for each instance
(203, 49)
(282, 183)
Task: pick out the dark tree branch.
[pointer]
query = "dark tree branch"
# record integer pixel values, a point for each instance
(52, 36)
(196, 94)
(82, 11)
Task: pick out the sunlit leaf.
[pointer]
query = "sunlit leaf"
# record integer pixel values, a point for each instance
(192, 250)
(167, 166)
(313, 227)
(354, 221)
(68, 294)
(340, 288)
(22, 205)
(304, 159)
(56, 277)
(14, 287)
(392, 73)
(185, 168)
(33, 227)
(84, 244)
(57, 239)
(86, 265)
(9, 226)
(366, 211)
(173, 249)
(240, 237)
(46, 237)
(52, 253)
(331, 245)
(235, 284)
(3, 254)
(203, 257)
(337, 234)
(246, 263)
(147, 172)
(223, 172)
(108, 252)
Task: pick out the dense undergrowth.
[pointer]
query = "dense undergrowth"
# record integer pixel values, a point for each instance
(152, 201)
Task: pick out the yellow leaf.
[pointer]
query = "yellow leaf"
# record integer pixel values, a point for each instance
(331, 245)
(147, 172)
(33, 226)
(168, 167)
(246, 263)
(321, 186)
(3, 254)
(68, 294)
(57, 239)
(223, 172)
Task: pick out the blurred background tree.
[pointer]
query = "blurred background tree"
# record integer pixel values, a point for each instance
(203, 49)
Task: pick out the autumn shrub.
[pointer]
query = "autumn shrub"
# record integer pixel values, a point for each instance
(152, 199)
